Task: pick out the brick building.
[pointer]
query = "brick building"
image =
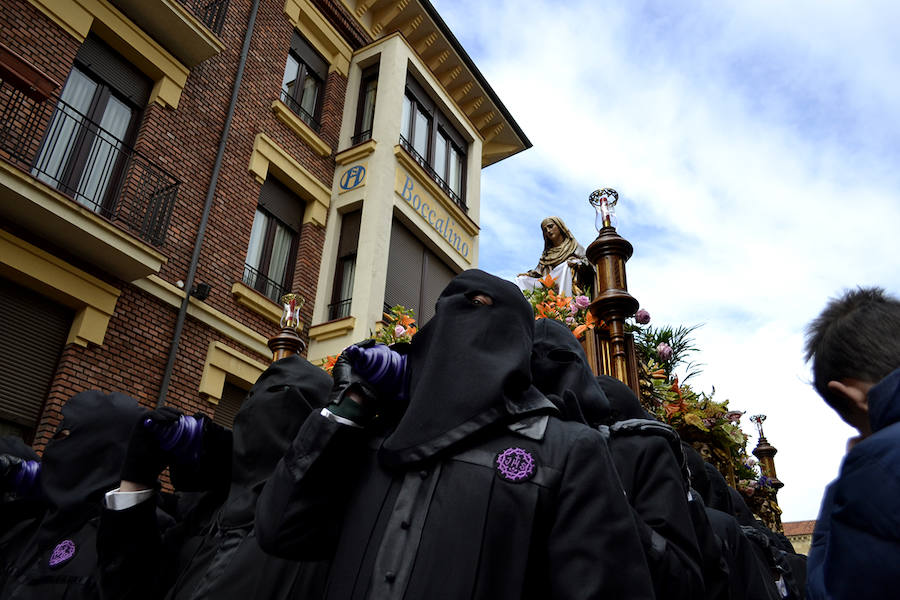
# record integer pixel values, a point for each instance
(168, 169)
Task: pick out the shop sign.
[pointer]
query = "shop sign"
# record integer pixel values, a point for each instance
(434, 214)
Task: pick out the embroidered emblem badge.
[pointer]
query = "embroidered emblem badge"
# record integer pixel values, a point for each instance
(63, 552)
(515, 464)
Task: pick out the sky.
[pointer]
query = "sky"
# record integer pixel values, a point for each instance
(754, 146)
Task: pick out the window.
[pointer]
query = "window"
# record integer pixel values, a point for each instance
(433, 142)
(304, 81)
(416, 276)
(84, 150)
(274, 238)
(345, 269)
(365, 111)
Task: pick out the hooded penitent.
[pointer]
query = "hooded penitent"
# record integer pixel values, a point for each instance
(267, 421)
(78, 468)
(623, 403)
(466, 347)
(229, 563)
(559, 369)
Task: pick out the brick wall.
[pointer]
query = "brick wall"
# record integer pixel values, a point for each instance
(184, 142)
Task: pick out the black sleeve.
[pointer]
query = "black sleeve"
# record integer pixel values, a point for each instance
(657, 492)
(131, 561)
(300, 510)
(594, 549)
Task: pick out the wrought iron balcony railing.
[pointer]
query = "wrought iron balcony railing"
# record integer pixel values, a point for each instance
(407, 145)
(340, 309)
(301, 112)
(210, 12)
(262, 284)
(63, 148)
(362, 136)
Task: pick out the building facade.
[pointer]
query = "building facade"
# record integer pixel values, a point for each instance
(169, 169)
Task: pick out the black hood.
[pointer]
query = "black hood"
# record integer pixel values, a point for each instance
(742, 512)
(269, 418)
(469, 367)
(719, 496)
(623, 402)
(560, 370)
(10, 444)
(76, 470)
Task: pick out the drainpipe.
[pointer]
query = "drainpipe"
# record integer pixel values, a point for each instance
(207, 207)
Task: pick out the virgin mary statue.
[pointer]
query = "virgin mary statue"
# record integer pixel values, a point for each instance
(563, 259)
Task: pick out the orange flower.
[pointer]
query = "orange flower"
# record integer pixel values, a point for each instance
(548, 282)
(411, 331)
(579, 331)
(328, 365)
(589, 319)
(406, 321)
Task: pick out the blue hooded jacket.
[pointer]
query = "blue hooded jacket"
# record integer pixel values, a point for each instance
(855, 550)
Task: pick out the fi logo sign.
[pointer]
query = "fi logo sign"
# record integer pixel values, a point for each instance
(353, 178)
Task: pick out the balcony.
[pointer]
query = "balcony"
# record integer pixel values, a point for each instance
(189, 29)
(262, 284)
(422, 162)
(72, 182)
(210, 12)
(339, 310)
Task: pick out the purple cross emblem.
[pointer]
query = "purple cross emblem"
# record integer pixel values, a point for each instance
(63, 552)
(515, 464)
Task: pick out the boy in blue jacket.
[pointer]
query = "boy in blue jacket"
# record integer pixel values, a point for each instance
(855, 348)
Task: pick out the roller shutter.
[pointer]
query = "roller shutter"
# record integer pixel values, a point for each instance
(33, 331)
(229, 405)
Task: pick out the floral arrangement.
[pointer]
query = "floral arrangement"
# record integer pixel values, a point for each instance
(571, 312)
(709, 425)
(399, 325)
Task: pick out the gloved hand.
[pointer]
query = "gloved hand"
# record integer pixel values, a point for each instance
(10, 466)
(352, 397)
(212, 470)
(145, 459)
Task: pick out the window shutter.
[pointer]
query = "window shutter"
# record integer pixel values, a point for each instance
(229, 405)
(308, 55)
(115, 71)
(349, 233)
(33, 331)
(437, 276)
(404, 276)
(282, 203)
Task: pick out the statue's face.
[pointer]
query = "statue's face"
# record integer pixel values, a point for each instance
(553, 233)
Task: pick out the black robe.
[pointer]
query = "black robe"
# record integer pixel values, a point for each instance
(477, 492)
(219, 557)
(60, 559)
(750, 565)
(643, 452)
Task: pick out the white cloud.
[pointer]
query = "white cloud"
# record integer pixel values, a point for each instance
(754, 148)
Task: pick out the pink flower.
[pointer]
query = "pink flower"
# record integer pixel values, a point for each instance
(569, 320)
(664, 351)
(573, 309)
(399, 330)
(642, 317)
(582, 301)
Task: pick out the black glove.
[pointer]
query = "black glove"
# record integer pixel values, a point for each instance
(347, 380)
(212, 470)
(145, 460)
(9, 468)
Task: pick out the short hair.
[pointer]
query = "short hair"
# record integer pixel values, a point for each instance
(856, 336)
